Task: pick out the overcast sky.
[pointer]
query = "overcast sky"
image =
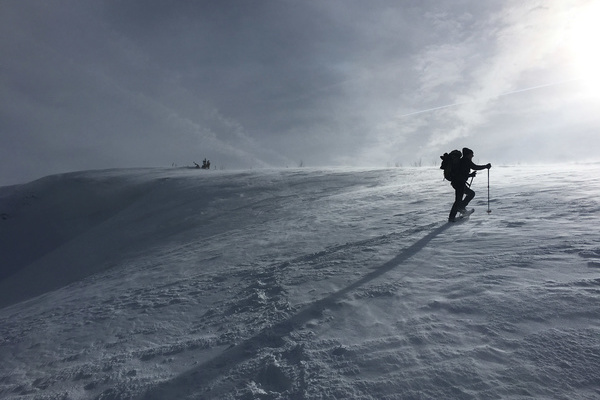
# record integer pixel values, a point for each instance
(273, 83)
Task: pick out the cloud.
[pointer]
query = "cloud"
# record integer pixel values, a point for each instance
(512, 50)
(248, 84)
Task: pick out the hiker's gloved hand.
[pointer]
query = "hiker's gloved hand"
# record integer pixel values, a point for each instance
(472, 174)
(488, 166)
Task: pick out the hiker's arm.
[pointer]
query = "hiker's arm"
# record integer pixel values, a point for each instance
(480, 167)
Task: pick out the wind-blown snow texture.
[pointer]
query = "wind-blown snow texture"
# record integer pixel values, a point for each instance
(300, 284)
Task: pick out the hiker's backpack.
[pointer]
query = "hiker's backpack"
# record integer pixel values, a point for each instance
(450, 163)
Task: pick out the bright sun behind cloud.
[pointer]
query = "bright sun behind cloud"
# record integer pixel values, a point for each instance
(585, 45)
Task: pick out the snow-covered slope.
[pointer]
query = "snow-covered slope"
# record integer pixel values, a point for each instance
(300, 284)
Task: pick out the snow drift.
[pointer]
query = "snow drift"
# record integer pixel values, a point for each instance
(300, 284)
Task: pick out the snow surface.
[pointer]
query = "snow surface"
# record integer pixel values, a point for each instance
(300, 284)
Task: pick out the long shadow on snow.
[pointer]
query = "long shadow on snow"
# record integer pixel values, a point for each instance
(197, 378)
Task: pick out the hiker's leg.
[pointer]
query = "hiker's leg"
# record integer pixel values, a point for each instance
(469, 196)
(459, 191)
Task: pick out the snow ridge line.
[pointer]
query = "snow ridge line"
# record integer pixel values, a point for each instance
(200, 378)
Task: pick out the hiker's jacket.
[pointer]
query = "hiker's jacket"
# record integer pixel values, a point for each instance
(464, 169)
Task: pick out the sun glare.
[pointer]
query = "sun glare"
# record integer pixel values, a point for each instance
(585, 46)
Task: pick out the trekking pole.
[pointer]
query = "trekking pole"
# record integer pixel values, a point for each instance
(488, 210)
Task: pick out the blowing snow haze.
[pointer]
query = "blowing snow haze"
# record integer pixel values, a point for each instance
(86, 84)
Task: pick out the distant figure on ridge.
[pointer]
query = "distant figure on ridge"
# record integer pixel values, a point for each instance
(458, 178)
(205, 164)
